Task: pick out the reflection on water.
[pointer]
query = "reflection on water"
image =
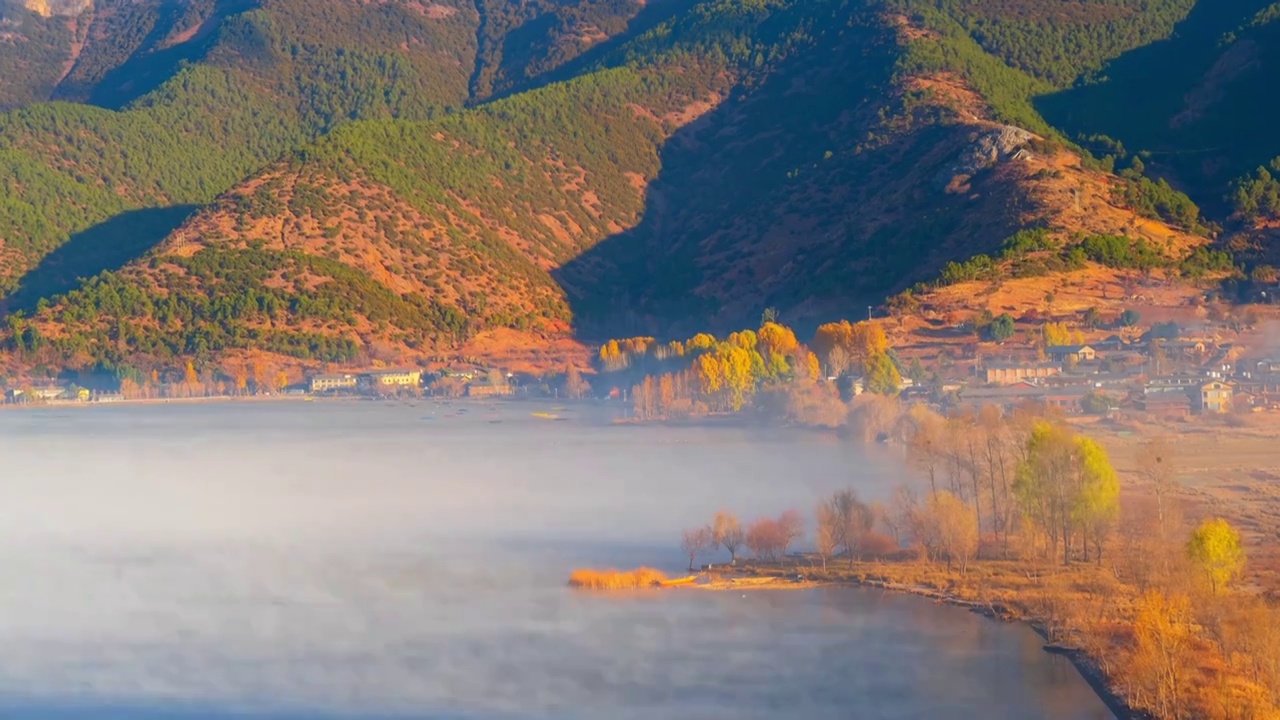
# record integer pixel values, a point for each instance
(359, 561)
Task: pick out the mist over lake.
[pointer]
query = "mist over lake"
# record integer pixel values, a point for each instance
(372, 559)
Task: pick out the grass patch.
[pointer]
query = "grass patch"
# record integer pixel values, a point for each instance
(588, 579)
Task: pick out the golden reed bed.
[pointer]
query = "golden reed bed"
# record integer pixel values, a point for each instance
(611, 579)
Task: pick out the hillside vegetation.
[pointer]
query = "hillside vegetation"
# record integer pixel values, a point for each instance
(644, 169)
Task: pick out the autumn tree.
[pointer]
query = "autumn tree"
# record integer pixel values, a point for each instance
(574, 386)
(852, 521)
(190, 381)
(830, 336)
(666, 394)
(791, 526)
(775, 339)
(739, 381)
(765, 539)
(697, 541)
(882, 377)
(1096, 503)
(868, 340)
(927, 443)
(610, 356)
(955, 529)
(699, 343)
(859, 342)
(838, 361)
(726, 531)
(997, 456)
(1162, 638)
(261, 377)
(644, 399)
(710, 375)
(1044, 481)
(1156, 464)
(1215, 549)
(1059, 334)
(827, 533)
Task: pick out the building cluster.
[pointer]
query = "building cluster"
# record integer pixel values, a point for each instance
(368, 382)
(1165, 378)
(382, 382)
(52, 393)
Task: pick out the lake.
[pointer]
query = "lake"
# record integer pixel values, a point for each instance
(408, 560)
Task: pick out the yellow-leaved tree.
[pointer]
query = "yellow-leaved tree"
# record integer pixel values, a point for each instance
(1060, 334)
(735, 364)
(699, 343)
(774, 339)
(868, 341)
(1096, 502)
(710, 374)
(882, 377)
(830, 336)
(1215, 549)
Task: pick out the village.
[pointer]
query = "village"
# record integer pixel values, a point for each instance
(465, 382)
(1167, 379)
(1165, 373)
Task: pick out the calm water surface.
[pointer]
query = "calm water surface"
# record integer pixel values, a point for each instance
(370, 560)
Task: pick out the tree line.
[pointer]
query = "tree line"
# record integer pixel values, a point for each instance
(704, 374)
(1157, 602)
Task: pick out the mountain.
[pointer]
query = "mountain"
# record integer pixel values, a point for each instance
(396, 178)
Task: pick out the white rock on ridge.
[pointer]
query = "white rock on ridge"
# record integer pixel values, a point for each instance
(985, 151)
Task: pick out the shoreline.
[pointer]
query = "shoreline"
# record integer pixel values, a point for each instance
(1088, 668)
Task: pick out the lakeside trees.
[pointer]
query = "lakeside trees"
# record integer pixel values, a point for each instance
(726, 531)
(703, 374)
(763, 368)
(697, 541)
(1017, 509)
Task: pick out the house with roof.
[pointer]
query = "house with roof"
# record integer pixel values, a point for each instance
(486, 388)
(1006, 397)
(1172, 405)
(1006, 373)
(384, 380)
(38, 393)
(1071, 353)
(332, 383)
(1213, 396)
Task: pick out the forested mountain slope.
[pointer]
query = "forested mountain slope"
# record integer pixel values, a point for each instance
(198, 94)
(786, 153)
(267, 79)
(1198, 105)
(702, 161)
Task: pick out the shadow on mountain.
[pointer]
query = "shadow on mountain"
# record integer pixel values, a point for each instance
(148, 68)
(142, 74)
(519, 44)
(800, 194)
(109, 245)
(1203, 109)
(650, 16)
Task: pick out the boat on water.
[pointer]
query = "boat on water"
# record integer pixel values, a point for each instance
(545, 416)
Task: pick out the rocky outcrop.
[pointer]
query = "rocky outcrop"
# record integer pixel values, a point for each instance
(985, 151)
